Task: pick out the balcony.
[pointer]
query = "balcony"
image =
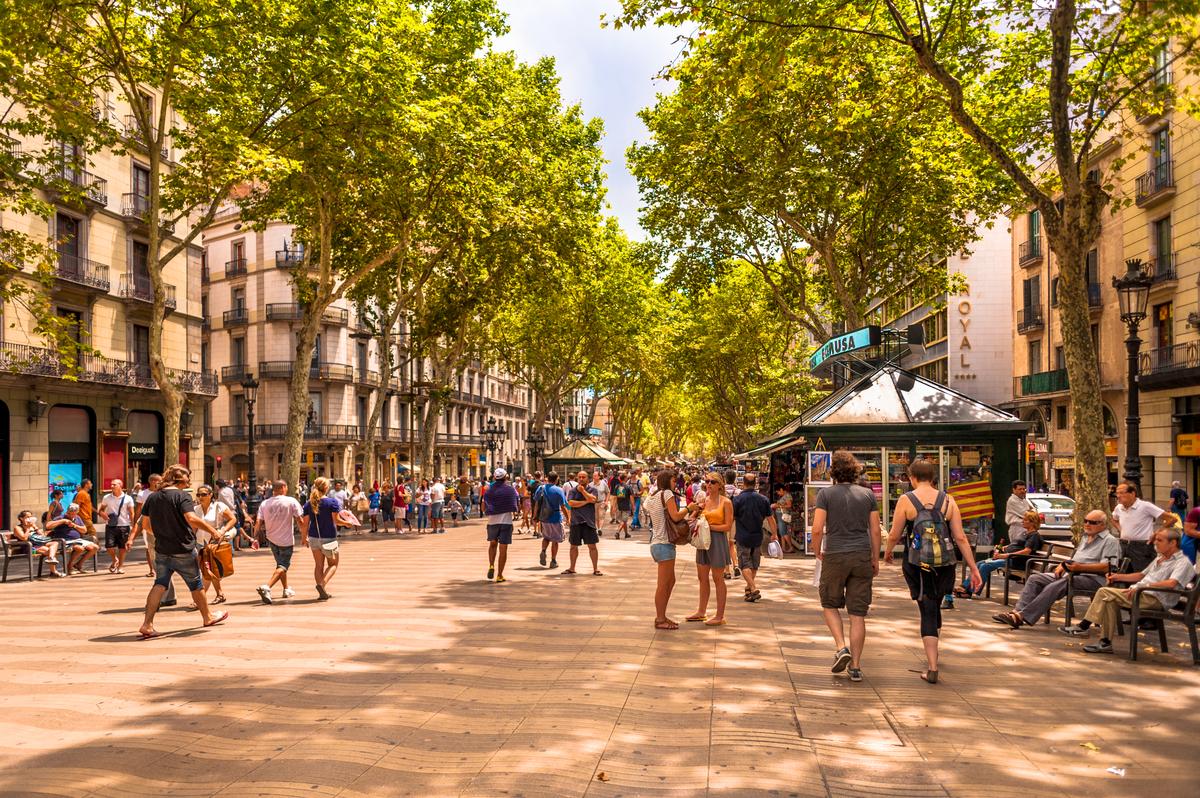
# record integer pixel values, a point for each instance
(339, 316)
(1029, 252)
(235, 267)
(1156, 185)
(1161, 270)
(82, 272)
(1043, 382)
(91, 189)
(1030, 319)
(459, 439)
(235, 317)
(138, 288)
(282, 369)
(95, 369)
(1175, 366)
(285, 311)
(234, 373)
(133, 133)
(288, 258)
(367, 377)
(468, 398)
(136, 207)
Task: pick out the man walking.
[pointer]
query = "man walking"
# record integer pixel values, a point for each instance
(623, 498)
(118, 510)
(585, 509)
(549, 501)
(750, 510)
(83, 497)
(437, 498)
(277, 516)
(170, 516)
(846, 521)
(500, 502)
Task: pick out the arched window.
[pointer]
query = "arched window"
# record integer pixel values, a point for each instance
(1110, 422)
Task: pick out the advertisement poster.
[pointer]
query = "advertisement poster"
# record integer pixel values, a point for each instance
(65, 477)
(820, 467)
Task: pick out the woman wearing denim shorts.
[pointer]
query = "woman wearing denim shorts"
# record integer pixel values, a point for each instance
(660, 505)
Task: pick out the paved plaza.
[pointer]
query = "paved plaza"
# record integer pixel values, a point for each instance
(421, 678)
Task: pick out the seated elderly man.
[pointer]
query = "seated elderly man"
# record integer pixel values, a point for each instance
(1095, 556)
(69, 528)
(27, 532)
(1170, 569)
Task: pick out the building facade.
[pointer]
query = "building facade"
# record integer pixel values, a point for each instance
(252, 319)
(100, 418)
(967, 343)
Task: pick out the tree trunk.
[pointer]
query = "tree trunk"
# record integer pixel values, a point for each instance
(431, 415)
(380, 394)
(1083, 375)
(293, 437)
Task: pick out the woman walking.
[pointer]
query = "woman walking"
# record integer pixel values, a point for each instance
(318, 531)
(933, 512)
(662, 505)
(717, 509)
(387, 504)
(424, 502)
(224, 520)
(373, 502)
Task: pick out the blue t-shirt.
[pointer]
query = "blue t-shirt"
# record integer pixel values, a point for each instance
(554, 498)
(374, 500)
(327, 508)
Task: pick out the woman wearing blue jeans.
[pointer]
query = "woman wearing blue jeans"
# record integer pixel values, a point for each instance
(424, 501)
(1015, 554)
(661, 505)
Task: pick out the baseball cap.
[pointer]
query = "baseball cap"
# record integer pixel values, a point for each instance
(499, 473)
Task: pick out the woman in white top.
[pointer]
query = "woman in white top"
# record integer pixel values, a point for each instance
(660, 505)
(225, 522)
(424, 502)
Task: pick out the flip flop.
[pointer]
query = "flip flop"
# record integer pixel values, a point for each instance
(568, 571)
(715, 622)
(149, 635)
(597, 573)
(695, 618)
(219, 619)
(927, 676)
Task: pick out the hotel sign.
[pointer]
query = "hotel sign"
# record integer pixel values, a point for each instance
(862, 338)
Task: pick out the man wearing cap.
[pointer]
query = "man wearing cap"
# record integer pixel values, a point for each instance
(499, 503)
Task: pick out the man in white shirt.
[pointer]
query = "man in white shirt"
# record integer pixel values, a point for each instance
(277, 515)
(599, 489)
(437, 499)
(341, 494)
(1015, 508)
(1135, 519)
(117, 509)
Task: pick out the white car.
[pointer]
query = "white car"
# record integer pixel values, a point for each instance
(1056, 511)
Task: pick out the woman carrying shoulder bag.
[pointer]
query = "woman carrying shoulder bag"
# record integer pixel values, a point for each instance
(225, 521)
(663, 508)
(717, 510)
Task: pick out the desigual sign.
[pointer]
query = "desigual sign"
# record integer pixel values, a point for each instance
(143, 450)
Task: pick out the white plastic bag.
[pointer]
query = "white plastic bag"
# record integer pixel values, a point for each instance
(701, 534)
(817, 568)
(775, 550)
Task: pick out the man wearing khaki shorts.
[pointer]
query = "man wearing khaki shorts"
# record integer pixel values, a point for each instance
(846, 522)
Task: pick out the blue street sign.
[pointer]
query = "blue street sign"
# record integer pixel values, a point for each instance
(862, 338)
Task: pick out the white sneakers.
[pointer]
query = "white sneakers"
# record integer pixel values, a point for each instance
(264, 593)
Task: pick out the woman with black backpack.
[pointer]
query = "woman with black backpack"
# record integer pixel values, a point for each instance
(931, 525)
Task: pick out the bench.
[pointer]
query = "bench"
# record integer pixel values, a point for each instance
(1050, 555)
(1074, 591)
(1184, 612)
(15, 549)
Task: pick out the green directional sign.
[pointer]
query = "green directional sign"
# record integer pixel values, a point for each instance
(862, 338)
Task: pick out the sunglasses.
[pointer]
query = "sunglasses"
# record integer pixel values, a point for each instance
(1090, 521)
(712, 482)
(202, 495)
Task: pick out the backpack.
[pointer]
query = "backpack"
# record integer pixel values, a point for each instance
(929, 543)
(545, 510)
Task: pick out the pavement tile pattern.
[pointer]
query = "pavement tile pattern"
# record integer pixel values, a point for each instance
(422, 678)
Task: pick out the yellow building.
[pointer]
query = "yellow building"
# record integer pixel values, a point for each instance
(102, 419)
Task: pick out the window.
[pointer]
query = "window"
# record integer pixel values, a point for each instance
(1162, 241)
(361, 350)
(1035, 225)
(1162, 325)
(1162, 66)
(315, 413)
(204, 358)
(362, 416)
(237, 410)
(1060, 359)
(1054, 292)
(1091, 267)
(1110, 422)
(316, 353)
(141, 348)
(1032, 292)
(1035, 356)
(237, 250)
(238, 298)
(935, 326)
(1060, 417)
(141, 264)
(237, 351)
(1096, 342)
(140, 186)
(1160, 152)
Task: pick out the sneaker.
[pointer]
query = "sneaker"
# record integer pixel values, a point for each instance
(491, 572)
(264, 593)
(947, 603)
(288, 592)
(542, 558)
(554, 563)
(855, 674)
(840, 660)
(1074, 631)
(1101, 647)
(736, 572)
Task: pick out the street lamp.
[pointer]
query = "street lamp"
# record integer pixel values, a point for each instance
(250, 393)
(536, 442)
(492, 434)
(1133, 291)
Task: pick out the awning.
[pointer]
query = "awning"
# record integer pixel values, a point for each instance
(767, 449)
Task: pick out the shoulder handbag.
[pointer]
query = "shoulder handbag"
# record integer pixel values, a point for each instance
(678, 532)
(113, 518)
(220, 558)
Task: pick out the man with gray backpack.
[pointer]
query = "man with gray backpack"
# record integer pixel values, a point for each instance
(930, 524)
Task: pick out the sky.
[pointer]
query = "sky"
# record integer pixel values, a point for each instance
(609, 72)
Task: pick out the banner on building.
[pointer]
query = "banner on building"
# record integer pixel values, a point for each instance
(974, 499)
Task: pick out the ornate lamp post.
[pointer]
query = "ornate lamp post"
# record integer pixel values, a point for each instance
(250, 392)
(492, 434)
(1133, 290)
(535, 441)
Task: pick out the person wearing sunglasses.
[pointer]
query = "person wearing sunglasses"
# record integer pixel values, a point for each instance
(717, 509)
(1096, 554)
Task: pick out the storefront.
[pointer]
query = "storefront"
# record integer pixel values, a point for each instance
(888, 419)
(71, 433)
(5, 516)
(145, 445)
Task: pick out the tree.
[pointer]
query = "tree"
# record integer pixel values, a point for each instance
(831, 169)
(1027, 85)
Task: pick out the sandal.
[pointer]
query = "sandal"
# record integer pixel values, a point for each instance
(716, 622)
(218, 619)
(597, 573)
(218, 600)
(696, 618)
(149, 635)
(568, 571)
(927, 676)
(962, 592)
(665, 624)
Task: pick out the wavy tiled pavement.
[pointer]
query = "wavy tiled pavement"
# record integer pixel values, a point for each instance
(422, 678)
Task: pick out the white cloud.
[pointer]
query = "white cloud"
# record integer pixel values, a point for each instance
(609, 72)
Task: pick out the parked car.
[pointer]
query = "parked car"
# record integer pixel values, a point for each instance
(1056, 511)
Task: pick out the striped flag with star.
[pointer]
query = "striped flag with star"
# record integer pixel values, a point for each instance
(974, 499)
